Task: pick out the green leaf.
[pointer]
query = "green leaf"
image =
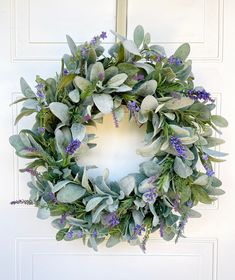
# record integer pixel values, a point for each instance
(43, 213)
(127, 184)
(219, 121)
(128, 68)
(61, 111)
(175, 104)
(138, 35)
(66, 81)
(145, 185)
(214, 141)
(182, 169)
(113, 240)
(200, 195)
(117, 80)
(70, 193)
(24, 113)
(74, 95)
(150, 150)
(158, 49)
(110, 72)
(213, 153)
(149, 103)
(179, 131)
(60, 185)
(81, 83)
(85, 182)
(150, 168)
(202, 180)
(147, 88)
(147, 39)
(26, 89)
(92, 203)
(103, 102)
(61, 234)
(97, 71)
(131, 47)
(78, 131)
(183, 51)
(72, 45)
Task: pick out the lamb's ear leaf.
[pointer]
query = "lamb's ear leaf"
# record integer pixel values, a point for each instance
(103, 102)
(183, 51)
(219, 121)
(61, 111)
(70, 193)
(138, 35)
(26, 89)
(72, 45)
(181, 168)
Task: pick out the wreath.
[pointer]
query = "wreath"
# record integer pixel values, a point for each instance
(159, 93)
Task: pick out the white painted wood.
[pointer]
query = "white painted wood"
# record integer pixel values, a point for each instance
(32, 39)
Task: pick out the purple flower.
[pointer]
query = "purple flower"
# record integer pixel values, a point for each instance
(63, 218)
(66, 72)
(52, 197)
(84, 51)
(190, 203)
(31, 171)
(111, 220)
(133, 107)
(178, 61)
(178, 146)
(159, 58)
(69, 234)
(87, 118)
(176, 203)
(200, 94)
(41, 129)
(73, 146)
(39, 86)
(138, 77)
(150, 196)
(103, 35)
(174, 60)
(38, 108)
(205, 157)
(93, 41)
(115, 119)
(79, 234)
(209, 171)
(101, 76)
(40, 94)
(95, 233)
(152, 179)
(138, 229)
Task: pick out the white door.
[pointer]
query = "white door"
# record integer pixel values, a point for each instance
(32, 41)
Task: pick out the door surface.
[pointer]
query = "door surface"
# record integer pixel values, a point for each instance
(32, 41)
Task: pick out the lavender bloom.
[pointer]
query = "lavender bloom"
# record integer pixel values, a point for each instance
(21, 201)
(133, 107)
(38, 108)
(205, 157)
(66, 72)
(73, 146)
(161, 228)
(103, 35)
(111, 220)
(115, 119)
(31, 171)
(200, 95)
(41, 129)
(138, 229)
(101, 76)
(87, 118)
(190, 203)
(176, 203)
(40, 94)
(80, 234)
(83, 51)
(178, 146)
(39, 86)
(69, 234)
(152, 179)
(95, 233)
(63, 218)
(150, 196)
(93, 41)
(159, 58)
(138, 77)
(209, 171)
(171, 60)
(52, 197)
(174, 60)
(178, 61)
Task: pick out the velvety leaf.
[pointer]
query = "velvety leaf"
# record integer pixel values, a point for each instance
(74, 95)
(97, 71)
(175, 104)
(70, 193)
(103, 102)
(202, 180)
(78, 131)
(213, 153)
(150, 150)
(131, 47)
(149, 103)
(72, 45)
(150, 168)
(81, 83)
(92, 203)
(128, 68)
(183, 51)
(219, 121)
(138, 35)
(26, 89)
(61, 111)
(127, 184)
(147, 88)
(117, 80)
(181, 168)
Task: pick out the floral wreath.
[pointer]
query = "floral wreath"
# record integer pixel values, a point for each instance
(159, 92)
